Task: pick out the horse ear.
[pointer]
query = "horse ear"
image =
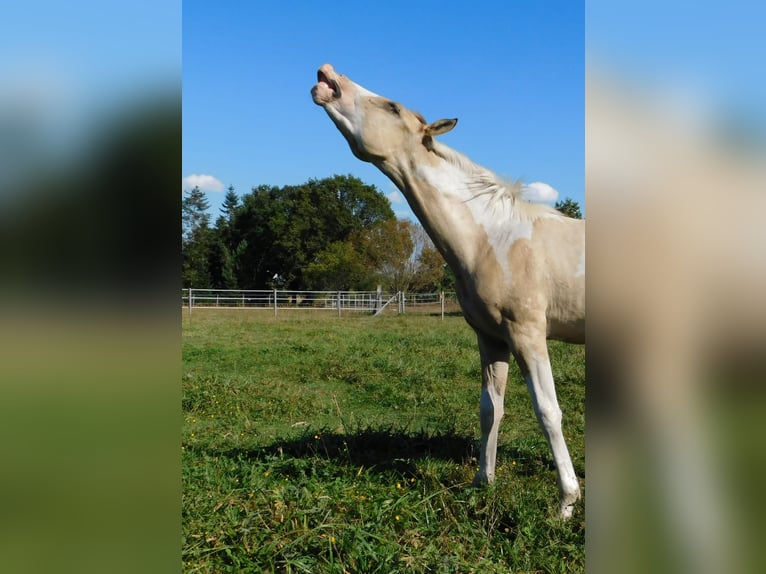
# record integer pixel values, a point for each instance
(440, 127)
(437, 128)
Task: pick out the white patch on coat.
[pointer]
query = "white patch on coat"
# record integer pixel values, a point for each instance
(491, 211)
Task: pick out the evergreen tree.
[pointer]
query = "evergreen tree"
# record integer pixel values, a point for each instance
(230, 204)
(194, 214)
(196, 240)
(224, 250)
(569, 207)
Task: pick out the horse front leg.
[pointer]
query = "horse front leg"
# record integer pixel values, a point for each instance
(531, 353)
(494, 374)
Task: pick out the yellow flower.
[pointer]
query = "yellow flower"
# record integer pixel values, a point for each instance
(266, 473)
(398, 485)
(398, 517)
(332, 538)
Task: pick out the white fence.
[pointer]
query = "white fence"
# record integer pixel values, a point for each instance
(275, 300)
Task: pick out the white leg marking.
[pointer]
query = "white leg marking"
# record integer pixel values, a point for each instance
(539, 377)
(494, 363)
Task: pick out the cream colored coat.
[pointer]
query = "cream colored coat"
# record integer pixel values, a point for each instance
(519, 267)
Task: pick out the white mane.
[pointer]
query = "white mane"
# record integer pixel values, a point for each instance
(499, 194)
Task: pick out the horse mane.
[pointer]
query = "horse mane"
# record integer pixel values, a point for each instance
(485, 183)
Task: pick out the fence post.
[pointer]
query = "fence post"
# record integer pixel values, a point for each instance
(340, 304)
(379, 302)
(190, 301)
(275, 303)
(441, 297)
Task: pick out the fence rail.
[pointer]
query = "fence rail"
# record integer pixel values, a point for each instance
(274, 300)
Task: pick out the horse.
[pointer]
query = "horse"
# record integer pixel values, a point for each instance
(519, 266)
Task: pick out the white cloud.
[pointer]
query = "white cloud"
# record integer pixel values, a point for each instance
(395, 197)
(540, 192)
(204, 182)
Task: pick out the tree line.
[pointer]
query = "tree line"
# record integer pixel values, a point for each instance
(336, 233)
(326, 234)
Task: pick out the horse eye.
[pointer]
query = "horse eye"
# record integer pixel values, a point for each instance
(394, 108)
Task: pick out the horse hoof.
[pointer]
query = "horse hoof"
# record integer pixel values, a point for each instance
(566, 511)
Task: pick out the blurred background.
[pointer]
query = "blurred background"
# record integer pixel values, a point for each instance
(90, 132)
(676, 189)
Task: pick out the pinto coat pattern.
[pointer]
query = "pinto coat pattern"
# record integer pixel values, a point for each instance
(519, 266)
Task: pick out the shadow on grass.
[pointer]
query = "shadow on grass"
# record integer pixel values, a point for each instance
(384, 449)
(389, 449)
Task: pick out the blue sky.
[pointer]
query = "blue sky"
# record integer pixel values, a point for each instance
(512, 72)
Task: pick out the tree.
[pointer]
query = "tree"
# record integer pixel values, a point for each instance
(230, 204)
(291, 231)
(430, 271)
(339, 266)
(196, 240)
(387, 250)
(224, 249)
(257, 224)
(569, 207)
(221, 262)
(194, 214)
(196, 258)
(403, 257)
(429, 265)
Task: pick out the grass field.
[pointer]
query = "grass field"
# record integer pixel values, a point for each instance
(318, 444)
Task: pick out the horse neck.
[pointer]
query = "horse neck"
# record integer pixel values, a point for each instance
(455, 200)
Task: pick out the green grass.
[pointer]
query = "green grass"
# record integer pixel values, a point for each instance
(318, 444)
